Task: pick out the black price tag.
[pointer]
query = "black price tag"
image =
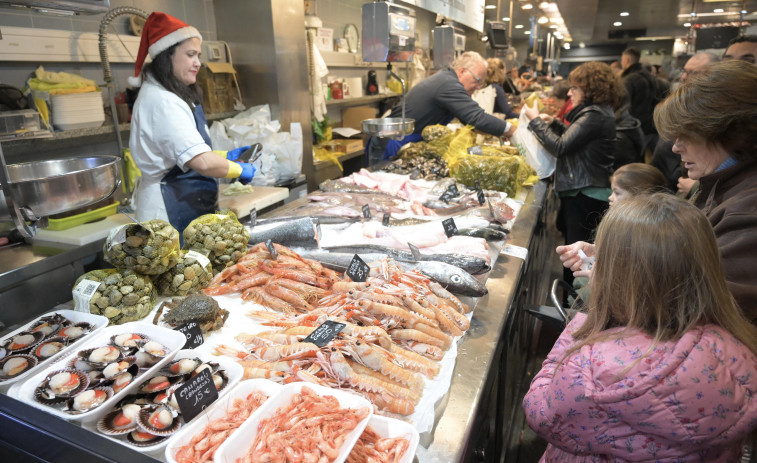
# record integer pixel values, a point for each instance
(385, 220)
(450, 229)
(366, 211)
(253, 217)
(358, 270)
(476, 185)
(196, 395)
(414, 251)
(481, 197)
(324, 333)
(193, 334)
(451, 192)
(272, 250)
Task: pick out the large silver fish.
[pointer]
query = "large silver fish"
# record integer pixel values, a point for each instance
(471, 264)
(455, 279)
(304, 232)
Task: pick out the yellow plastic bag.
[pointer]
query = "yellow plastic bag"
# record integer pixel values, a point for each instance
(221, 235)
(119, 294)
(132, 171)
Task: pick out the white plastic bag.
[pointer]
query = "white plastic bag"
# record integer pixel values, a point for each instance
(286, 148)
(536, 155)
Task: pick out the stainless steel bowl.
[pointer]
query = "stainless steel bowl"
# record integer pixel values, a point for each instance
(388, 127)
(59, 185)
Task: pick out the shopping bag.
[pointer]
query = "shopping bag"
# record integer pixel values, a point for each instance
(536, 155)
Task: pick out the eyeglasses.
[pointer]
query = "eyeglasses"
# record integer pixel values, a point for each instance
(478, 80)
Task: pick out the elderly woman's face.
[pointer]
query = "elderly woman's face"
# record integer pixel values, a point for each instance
(699, 158)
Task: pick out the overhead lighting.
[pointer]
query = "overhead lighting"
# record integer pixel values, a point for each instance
(506, 18)
(717, 10)
(566, 45)
(553, 26)
(527, 6)
(490, 7)
(617, 23)
(743, 12)
(543, 5)
(527, 32)
(686, 24)
(519, 26)
(624, 13)
(543, 20)
(581, 45)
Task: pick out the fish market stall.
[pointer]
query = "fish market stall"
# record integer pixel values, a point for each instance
(463, 414)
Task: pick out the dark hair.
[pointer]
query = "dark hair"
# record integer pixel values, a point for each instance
(743, 38)
(161, 69)
(598, 83)
(717, 106)
(633, 51)
(560, 90)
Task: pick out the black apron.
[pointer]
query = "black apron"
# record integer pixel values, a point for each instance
(188, 195)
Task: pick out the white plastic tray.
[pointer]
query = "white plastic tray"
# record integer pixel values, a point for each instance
(98, 322)
(233, 371)
(217, 411)
(238, 445)
(391, 428)
(173, 340)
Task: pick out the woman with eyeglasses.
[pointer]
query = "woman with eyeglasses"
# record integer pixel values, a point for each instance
(583, 149)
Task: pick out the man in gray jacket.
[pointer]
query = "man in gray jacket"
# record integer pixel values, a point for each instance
(437, 100)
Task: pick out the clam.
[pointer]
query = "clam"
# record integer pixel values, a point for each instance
(157, 384)
(14, 365)
(180, 367)
(126, 364)
(88, 400)
(99, 357)
(24, 341)
(50, 347)
(76, 331)
(61, 385)
(119, 421)
(158, 420)
(143, 439)
(127, 341)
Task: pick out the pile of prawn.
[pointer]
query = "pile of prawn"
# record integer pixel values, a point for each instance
(204, 444)
(372, 448)
(309, 428)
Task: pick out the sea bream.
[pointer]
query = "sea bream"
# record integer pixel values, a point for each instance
(455, 279)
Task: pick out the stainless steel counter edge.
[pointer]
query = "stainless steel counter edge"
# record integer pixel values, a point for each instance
(477, 349)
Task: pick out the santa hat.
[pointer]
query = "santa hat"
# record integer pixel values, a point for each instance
(160, 33)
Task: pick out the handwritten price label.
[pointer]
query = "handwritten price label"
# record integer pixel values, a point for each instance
(385, 220)
(196, 395)
(366, 211)
(193, 333)
(324, 333)
(451, 192)
(450, 229)
(358, 269)
(480, 196)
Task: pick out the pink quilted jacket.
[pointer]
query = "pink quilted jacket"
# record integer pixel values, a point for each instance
(690, 400)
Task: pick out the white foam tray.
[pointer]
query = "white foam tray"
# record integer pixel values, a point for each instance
(172, 340)
(238, 445)
(98, 322)
(233, 371)
(217, 411)
(391, 428)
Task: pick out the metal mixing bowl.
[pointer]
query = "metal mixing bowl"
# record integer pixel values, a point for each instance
(59, 185)
(388, 127)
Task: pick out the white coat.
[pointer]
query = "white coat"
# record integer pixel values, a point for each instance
(163, 135)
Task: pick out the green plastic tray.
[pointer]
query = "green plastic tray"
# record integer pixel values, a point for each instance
(84, 217)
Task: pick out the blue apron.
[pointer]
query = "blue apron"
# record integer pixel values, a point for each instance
(188, 195)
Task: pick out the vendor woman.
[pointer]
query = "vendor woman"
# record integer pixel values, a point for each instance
(169, 134)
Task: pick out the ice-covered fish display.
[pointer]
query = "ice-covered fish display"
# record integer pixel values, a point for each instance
(304, 232)
(471, 264)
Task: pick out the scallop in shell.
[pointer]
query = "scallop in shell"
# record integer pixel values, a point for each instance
(128, 341)
(122, 380)
(220, 379)
(180, 367)
(49, 325)
(141, 438)
(50, 347)
(14, 365)
(77, 363)
(76, 331)
(125, 364)
(61, 385)
(88, 400)
(99, 357)
(24, 341)
(119, 421)
(156, 384)
(212, 366)
(150, 353)
(168, 397)
(159, 420)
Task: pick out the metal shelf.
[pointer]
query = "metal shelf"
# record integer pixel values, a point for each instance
(361, 99)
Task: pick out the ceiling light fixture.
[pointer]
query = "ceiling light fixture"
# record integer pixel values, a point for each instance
(686, 24)
(617, 23)
(490, 7)
(543, 20)
(519, 26)
(717, 10)
(566, 45)
(624, 13)
(527, 6)
(505, 18)
(527, 32)
(544, 5)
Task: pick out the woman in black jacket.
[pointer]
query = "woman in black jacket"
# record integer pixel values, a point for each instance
(583, 149)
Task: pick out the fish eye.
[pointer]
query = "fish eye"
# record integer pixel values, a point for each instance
(456, 279)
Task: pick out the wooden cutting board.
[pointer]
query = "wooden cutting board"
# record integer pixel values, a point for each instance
(261, 196)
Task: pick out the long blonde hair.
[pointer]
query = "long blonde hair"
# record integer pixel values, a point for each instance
(658, 270)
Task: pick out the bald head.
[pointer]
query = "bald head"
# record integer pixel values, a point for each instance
(698, 63)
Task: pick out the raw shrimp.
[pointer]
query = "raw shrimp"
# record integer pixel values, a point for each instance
(373, 448)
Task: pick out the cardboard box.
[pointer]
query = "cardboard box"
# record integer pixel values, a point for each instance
(354, 116)
(217, 84)
(348, 145)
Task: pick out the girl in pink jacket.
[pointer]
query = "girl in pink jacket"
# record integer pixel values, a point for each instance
(662, 367)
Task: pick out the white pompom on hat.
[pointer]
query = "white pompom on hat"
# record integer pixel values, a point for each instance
(160, 32)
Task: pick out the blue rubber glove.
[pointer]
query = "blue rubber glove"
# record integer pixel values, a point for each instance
(234, 154)
(248, 171)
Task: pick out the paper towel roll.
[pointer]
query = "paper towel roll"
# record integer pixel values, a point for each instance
(355, 84)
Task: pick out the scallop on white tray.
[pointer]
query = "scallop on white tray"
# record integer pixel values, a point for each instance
(239, 444)
(392, 428)
(233, 371)
(172, 340)
(216, 412)
(98, 322)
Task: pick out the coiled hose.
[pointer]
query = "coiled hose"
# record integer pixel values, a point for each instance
(104, 23)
